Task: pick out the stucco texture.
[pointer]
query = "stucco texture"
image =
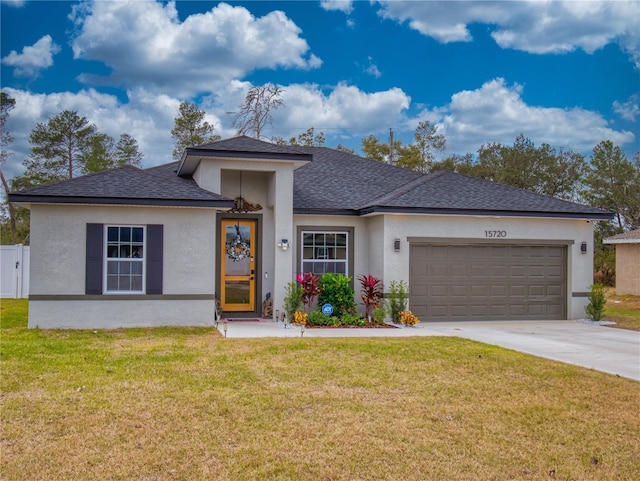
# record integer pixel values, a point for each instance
(628, 269)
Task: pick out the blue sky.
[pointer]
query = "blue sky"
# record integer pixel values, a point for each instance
(564, 73)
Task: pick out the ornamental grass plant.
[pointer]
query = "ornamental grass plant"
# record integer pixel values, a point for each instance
(188, 404)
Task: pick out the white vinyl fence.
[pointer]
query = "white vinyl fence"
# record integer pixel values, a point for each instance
(14, 271)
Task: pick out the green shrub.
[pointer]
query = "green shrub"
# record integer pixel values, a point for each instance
(379, 315)
(597, 300)
(397, 299)
(292, 301)
(317, 318)
(335, 289)
(352, 320)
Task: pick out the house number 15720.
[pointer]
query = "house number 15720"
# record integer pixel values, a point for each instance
(495, 233)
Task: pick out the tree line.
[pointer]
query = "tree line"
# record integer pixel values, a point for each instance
(68, 145)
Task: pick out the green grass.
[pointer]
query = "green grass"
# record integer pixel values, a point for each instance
(624, 310)
(171, 403)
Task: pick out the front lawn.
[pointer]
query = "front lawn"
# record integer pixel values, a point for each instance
(624, 310)
(187, 404)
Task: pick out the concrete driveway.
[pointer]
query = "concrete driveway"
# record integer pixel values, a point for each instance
(606, 349)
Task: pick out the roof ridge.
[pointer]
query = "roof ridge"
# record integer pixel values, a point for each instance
(394, 194)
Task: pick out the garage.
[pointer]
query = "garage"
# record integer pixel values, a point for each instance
(480, 282)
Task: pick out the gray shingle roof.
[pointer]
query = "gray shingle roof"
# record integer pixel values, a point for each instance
(631, 237)
(334, 182)
(126, 185)
(243, 143)
(340, 181)
(337, 180)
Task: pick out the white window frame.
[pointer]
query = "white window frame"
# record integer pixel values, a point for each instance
(141, 260)
(324, 248)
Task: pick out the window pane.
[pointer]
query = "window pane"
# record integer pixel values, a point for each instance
(112, 268)
(237, 292)
(324, 252)
(136, 267)
(136, 283)
(124, 264)
(125, 234)
(112, 234)
(112, 283)
(137, 234)
(307, 239)
(124, 283)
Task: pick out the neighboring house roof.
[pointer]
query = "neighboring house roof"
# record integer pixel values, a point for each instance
(631, 237)
(334, 182)
(126, 185)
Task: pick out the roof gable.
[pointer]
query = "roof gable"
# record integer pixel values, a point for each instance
(241, 148)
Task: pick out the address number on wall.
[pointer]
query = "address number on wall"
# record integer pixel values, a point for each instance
(495, 233)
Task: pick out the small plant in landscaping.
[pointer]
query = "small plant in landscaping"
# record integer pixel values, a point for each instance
(371, 293)
(309, 283)
(379, 315)
(408, 318)
(317, 318)
(292, 301)
(397, 299)
(299, 318)
(597, 300)
(335, 289)
(356, 320)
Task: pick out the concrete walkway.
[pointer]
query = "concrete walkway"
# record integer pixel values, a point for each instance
(606, 349)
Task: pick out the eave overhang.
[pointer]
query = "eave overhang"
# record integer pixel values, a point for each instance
(192, 157)
(46, 199)
(372, 210)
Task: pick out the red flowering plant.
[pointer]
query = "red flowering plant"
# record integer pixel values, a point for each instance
(371, 293)
(309, 283)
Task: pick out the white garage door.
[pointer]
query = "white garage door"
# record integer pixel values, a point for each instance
(488, 282)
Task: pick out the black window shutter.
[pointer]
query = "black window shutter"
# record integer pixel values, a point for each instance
(94, 260)
(154, 246)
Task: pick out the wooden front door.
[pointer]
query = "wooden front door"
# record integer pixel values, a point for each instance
(238, 265)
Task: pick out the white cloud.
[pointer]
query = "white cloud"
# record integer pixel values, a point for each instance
(531, 26)
(372, 69)
(496, 112)
(33, 58)
(345, 6)
(144, 42)
(147, 117)
(628, 110)
(345, 110)
(13, 3)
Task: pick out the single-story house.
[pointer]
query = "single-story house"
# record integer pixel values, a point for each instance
(627, 262)
(235, 220)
